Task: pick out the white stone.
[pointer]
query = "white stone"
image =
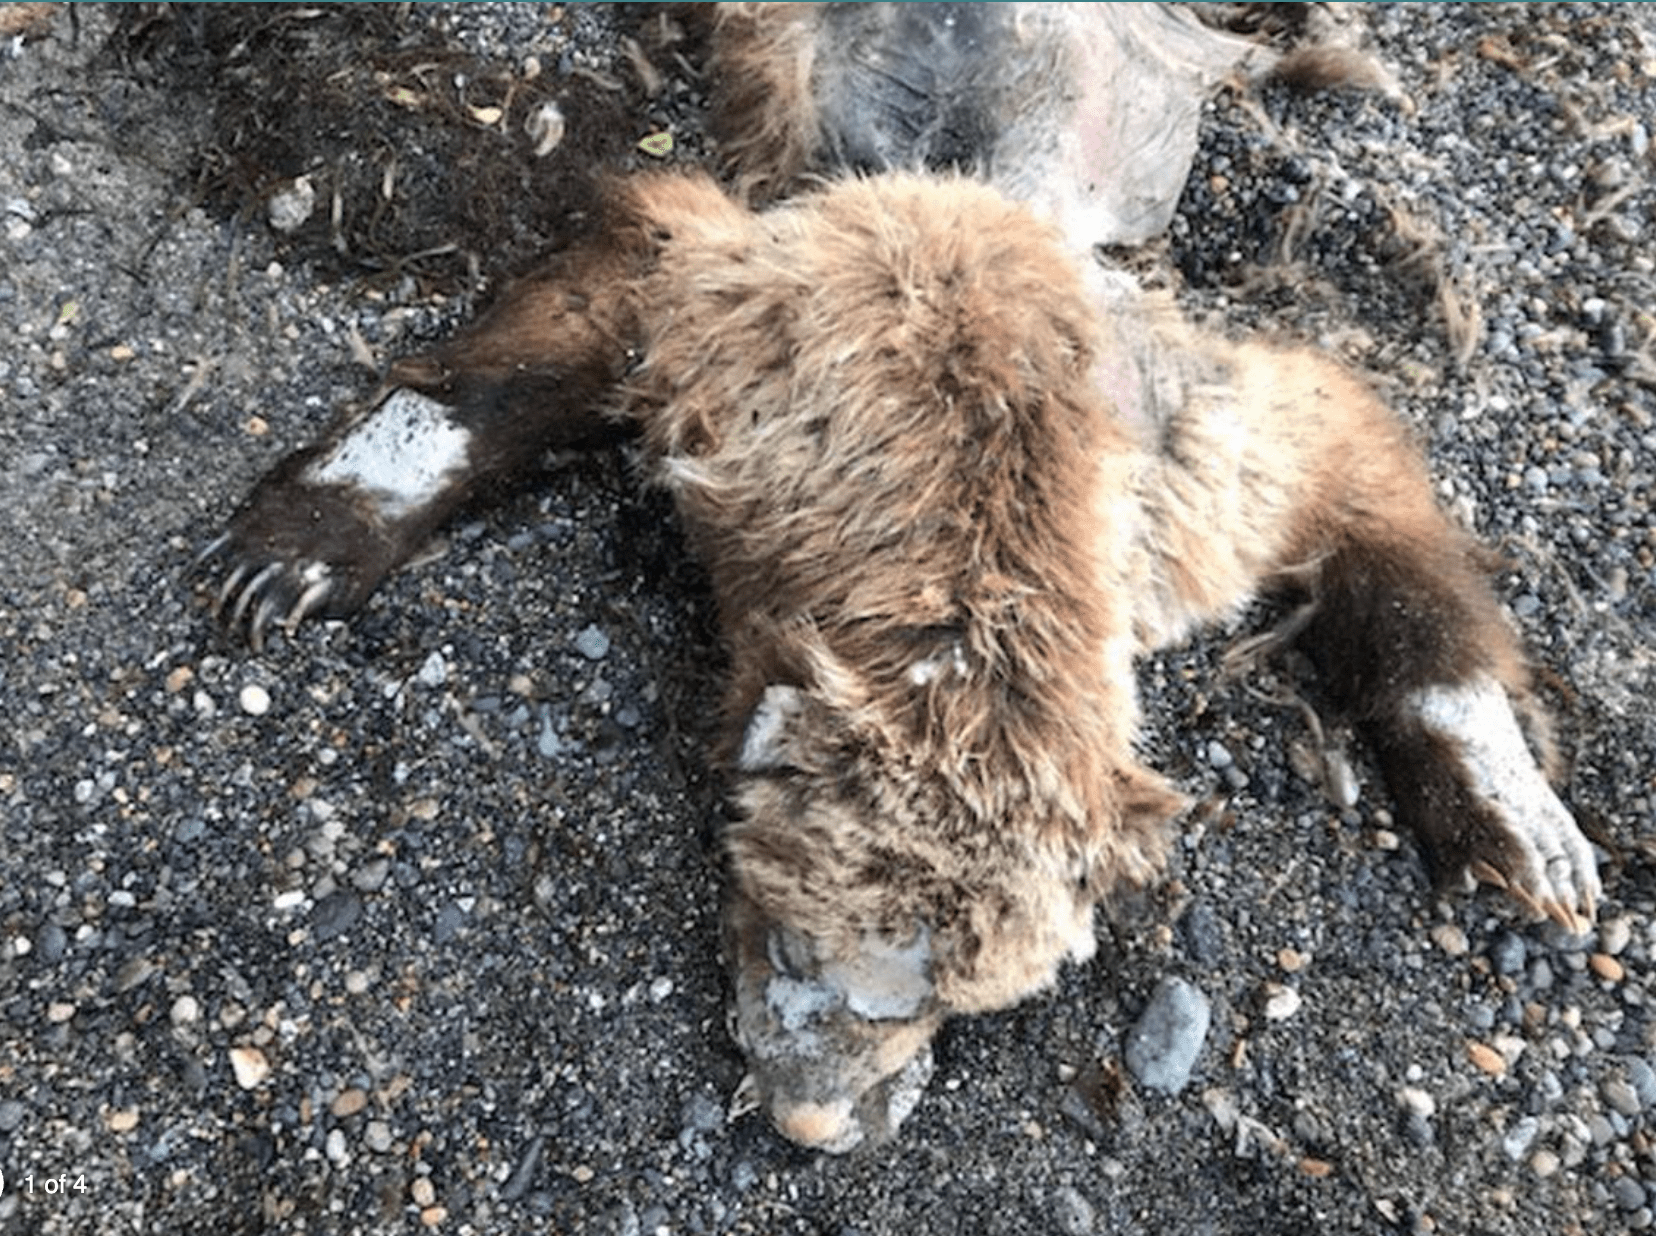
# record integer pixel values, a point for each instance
(1281, 1003)
(250, 1066)
(254, 700)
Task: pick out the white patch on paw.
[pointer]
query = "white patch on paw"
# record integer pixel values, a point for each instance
(404, 454)
(1503, 773)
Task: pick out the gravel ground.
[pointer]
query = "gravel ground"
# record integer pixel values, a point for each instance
(411, 923)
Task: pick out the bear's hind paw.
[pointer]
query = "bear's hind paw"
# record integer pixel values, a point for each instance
(1517, 834)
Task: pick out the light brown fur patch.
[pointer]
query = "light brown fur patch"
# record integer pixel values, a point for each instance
(876, 411)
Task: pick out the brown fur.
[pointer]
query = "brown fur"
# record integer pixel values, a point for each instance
(947, 489)
(766, 116)
(896, 375)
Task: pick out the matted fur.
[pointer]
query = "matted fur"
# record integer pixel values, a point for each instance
(948, 479)
(946, 491)
(761, 67)
(877, 412)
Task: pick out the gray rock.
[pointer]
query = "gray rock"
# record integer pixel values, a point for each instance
(335, 914)
(450, 919)
(1072, 1212)
(51, 943)
(1628, 1192)
(1162, 1049)
(1418, 1129)
(371, 876)
(592, 644)
(1541, 975)
(1621, 1096)
(1643, 1080)
(434, 671)
(1520, 1137)
(1509, 953)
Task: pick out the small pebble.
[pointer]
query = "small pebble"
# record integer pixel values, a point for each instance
(1281, 1003)
(1614, 934)
(377, 1136)
(186, 1011)
(433, 1216)
(254, 700)
(1486, 1058)
(1628, 1192)
(1607, 967)
(1417, 1101)
(1520, 1137)
(434, 671)
(122, 1121)
(1509, 953)
(1450, 938)
(1164, 1044)
(59, 1011)
(349, 1102)
(335, 1148)
(1621, 1096)
(422, 1191)
(1643, 1080)
(289, 207)
(370, 877)
(249, 1065)
(1544, 1163)
(592, 644)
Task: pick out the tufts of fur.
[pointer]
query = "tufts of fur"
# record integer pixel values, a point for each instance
(763, 59)
(876, 411)
(946, 489)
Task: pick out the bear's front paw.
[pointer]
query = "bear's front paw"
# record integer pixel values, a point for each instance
(322, 530)
(1484, 808)
(291, 552)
